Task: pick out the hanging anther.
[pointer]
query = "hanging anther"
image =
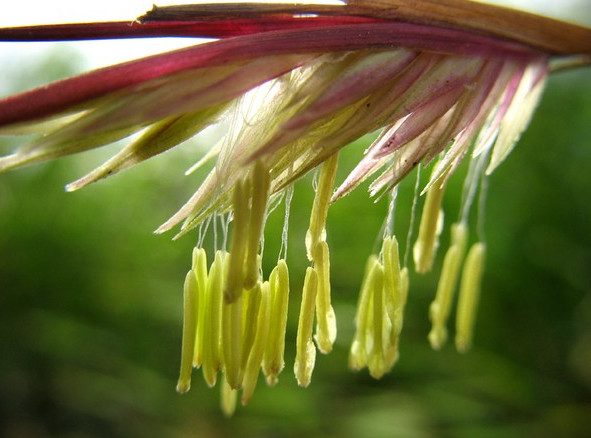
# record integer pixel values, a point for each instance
(260, 185)
(317, 230)
(273, 360)
(255, 357)
(189, 327)
(326, 325)
(212, 326)
(232, 342)
(358, 354)
(239, 245)
(305, 349)
(251, 304)
(394, 301)
(375, 363)
(441, 306)
(425, 248)
(392, 353)
(228, 398)
(200, 269)
(469, 296)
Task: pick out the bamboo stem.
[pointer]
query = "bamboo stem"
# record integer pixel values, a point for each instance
(551, 36)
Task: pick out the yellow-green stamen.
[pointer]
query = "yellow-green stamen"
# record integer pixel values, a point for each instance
(427, 242)
(440, 307)
(469, 296)
(255, 358)
(358, 352)
(375, 362)
(305, 350)
(326, 328)
(250, 311)
(212, 327)
(228, 398)
(189, 326)
(239, 245)
(231, 342)
(326, 180)
(200, 270)
(260, 193)
(273, 361)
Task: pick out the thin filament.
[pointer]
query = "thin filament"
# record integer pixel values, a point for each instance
(413, 214)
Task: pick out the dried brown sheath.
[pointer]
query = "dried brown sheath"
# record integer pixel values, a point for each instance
(546, 34)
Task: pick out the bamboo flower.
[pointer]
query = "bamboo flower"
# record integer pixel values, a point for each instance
(438, 81)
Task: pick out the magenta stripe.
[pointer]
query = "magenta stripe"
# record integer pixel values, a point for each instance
(59, 96)
(202, 29)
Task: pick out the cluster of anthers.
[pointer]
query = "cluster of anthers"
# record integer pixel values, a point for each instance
(296, 84)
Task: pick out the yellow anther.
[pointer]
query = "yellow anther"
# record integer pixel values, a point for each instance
(228, 398)
(200, 270)
(255, 358)
(235, 277)
(232, 341)
(252, 302)
(398, 321)
(326, 326)
(213, 316)
(441, 306)
(189, 326)
(438, 313)
(305, 350)
(261, 182)
(425, 247)
(273, 361)
(391, 274)
(326, 180)
(375, 363)
(199, 264)
(358, 353)
(469, 296)
(392, 298)
(404, 285)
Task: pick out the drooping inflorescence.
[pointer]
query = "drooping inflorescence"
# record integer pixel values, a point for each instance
(294, 85)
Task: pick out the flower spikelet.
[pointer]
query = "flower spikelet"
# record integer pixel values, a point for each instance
(439, 83)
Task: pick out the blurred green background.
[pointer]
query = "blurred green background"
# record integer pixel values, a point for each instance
(90, 301)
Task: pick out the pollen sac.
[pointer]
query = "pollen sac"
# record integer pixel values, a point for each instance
(380, 310)
(251, 303)
(255, 357)
(189, 327)
(305, 350)
(440, 307)
(232, 341)
(376, 363)
(260, 184)
(200, 270)
(239, 245)
(394, 298)
(317, 231)
(469, 296)
(359, 352)
(273, 360)
(199, 265)
(212, 327)
(430, 227)
(228, 398)
(326, 326)
(391, 276)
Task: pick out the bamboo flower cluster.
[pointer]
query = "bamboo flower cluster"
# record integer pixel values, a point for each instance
(442, 83)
